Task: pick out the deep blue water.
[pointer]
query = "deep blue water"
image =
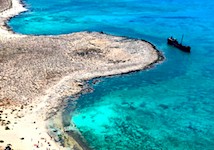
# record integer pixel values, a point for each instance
(170, 106)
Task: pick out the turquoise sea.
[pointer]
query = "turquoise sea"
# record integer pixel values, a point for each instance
(168, 107)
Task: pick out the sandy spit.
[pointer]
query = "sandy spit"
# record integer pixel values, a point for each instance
(38, 72)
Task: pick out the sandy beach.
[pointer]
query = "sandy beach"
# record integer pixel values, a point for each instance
(38, 73)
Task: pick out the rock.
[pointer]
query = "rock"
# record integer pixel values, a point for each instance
(8, 148)
(95, 81)
(7, 128)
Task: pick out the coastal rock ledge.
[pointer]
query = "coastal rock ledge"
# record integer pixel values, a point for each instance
(38, 72)
(29, 65)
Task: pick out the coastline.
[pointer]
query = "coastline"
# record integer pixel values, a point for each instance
(12, 8)
(43, 73)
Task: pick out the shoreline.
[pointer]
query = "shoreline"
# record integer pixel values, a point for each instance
(16, 7)
(43, 73)
(64, 128)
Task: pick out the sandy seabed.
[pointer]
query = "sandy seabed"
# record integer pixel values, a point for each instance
(38, 73)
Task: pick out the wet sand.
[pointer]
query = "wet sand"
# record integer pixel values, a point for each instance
(38, 73)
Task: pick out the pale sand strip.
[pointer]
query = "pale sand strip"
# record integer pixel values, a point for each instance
(37, 72)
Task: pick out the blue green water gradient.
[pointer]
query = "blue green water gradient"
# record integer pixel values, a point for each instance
(170, 106)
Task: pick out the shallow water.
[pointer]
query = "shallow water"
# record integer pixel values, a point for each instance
(170, 106)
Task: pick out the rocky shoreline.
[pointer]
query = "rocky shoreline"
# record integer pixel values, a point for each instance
(5, 5)
(37, 73)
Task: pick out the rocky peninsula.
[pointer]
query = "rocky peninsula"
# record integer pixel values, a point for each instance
(37, 73)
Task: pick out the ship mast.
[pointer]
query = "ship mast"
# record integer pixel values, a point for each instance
(182, 38)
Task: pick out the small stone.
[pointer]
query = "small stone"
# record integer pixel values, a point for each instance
(7, 128)
(8, 148)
